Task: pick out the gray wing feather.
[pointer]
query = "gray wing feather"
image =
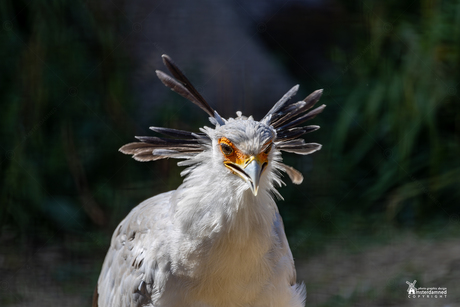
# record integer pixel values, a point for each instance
(284, 246)
(130, 273)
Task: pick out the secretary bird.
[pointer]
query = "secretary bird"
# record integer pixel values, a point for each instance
(218, 240)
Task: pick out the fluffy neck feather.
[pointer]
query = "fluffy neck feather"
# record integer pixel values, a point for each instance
(213, 201)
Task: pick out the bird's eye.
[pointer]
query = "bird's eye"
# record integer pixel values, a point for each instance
(269, 147)
(227, 150)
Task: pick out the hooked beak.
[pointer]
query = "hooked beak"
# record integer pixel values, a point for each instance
(250, 172)
(253, 170)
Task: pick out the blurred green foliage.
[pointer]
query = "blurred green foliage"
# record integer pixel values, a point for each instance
(391, 132)
(397, 135)
(391, 129)
(66, 109)
(64, 92)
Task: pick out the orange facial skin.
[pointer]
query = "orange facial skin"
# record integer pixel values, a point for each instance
(241, 159)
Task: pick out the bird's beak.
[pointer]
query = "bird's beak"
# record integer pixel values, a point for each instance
(253, 170)
(249, 170)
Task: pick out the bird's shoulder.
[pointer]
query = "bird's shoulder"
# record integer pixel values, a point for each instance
(151, 214)
(130, 268)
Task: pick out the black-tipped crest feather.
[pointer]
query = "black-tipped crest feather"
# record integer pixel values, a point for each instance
(283, 100)
(295, 110)
(179, 75)
(175, 133)
(162, 142)
(303, 118)
(303, 149)
(179, 88)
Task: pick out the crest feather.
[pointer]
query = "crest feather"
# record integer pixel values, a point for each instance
(295, 176)
(182, 85)
(282, 101)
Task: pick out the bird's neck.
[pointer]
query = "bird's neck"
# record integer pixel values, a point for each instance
(216, 207)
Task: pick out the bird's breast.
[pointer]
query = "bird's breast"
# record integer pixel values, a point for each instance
(226, 254)
(233, 269)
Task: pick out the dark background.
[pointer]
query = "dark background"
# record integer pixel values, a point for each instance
(379, 205)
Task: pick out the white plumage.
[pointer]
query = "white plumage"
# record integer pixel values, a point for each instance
(218, 240)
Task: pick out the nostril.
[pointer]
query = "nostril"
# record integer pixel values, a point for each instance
(263, 167)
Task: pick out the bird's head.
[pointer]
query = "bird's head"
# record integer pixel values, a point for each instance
(242, 147)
